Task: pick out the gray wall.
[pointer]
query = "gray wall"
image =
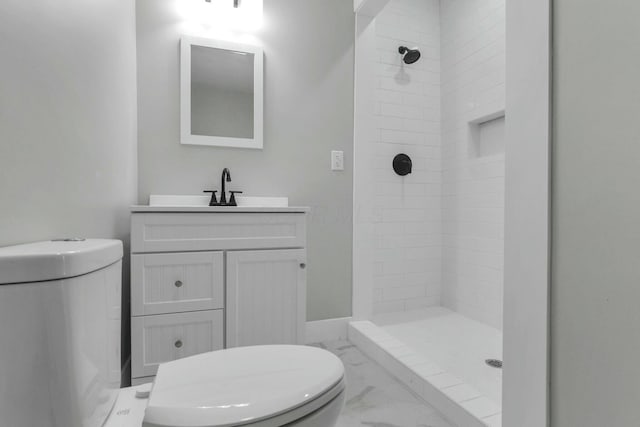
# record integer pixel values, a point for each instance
(308, 112)
(68, 122)
(67, 119)
(595, 319)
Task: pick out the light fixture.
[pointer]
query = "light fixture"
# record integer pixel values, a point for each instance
(219, 18)
(236, 3)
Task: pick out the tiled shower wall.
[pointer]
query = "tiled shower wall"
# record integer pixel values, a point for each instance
(439, 231)
(407, 210)
(473, 90)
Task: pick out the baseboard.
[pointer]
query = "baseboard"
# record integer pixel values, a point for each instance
(327, 330)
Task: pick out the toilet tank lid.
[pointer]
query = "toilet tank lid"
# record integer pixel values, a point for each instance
(56, 259)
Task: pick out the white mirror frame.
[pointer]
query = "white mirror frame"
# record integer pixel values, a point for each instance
(186, 137)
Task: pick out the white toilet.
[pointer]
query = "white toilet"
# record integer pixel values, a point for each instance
(60, 357)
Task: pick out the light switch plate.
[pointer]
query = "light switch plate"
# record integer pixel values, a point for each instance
(337, 160)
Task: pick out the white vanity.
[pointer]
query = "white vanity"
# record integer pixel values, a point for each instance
(206, 278)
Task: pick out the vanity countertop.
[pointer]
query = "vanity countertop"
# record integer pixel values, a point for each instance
(219, 209)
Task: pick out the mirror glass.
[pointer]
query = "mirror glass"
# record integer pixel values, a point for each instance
(221, 92)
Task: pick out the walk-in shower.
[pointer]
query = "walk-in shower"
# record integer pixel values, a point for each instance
(430, 243)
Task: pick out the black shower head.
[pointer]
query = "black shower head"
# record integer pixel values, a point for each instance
(410, 55)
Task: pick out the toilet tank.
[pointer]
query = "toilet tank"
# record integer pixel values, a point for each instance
(60, 311)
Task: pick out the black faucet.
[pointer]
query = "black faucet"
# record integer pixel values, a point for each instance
(226, 175)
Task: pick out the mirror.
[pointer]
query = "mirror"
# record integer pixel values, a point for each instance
(220, 93)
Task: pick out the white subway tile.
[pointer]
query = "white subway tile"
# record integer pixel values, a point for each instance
(423, 110)
(462, 392)
(472, 67)
(444, 380)
(481, 407)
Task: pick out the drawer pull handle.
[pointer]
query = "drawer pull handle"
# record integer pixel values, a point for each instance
(303, 265)
(178, 344)
(178, 283)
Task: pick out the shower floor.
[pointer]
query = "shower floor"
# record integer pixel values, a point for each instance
(440, 355)
(457, 344)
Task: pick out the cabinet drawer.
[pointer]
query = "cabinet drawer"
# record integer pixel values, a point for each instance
(168, 232)
(166, 337)
(170, 283)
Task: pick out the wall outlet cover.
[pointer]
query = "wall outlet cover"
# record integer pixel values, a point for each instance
(337, 160)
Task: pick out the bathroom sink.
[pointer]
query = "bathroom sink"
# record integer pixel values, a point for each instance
(178, 201)
(198, 200)
(263, 202)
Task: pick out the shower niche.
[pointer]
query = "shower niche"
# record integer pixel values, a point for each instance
(486, 136)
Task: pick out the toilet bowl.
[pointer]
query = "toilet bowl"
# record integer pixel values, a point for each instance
(60, 313)
(259, 386)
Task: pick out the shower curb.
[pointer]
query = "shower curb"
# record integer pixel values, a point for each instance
(457, 401)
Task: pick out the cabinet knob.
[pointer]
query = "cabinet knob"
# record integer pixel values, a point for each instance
(178, 343)
(303, 265)
(178, 283)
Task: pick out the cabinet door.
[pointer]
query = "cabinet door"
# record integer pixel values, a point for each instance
(266, 297)
(165, 337)
(176, 282)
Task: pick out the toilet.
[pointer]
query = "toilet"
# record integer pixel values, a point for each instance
(60, 325)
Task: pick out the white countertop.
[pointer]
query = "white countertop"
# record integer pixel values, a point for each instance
(219, 209)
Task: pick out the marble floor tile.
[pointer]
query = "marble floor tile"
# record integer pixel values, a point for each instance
(374, 398)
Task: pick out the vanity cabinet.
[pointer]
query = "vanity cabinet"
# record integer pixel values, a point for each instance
(207, 278)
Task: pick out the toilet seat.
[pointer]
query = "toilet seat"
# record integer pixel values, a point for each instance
(254, 386)
(290, 417)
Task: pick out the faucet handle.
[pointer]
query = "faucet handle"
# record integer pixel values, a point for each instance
(213, 201)
(232, 200)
